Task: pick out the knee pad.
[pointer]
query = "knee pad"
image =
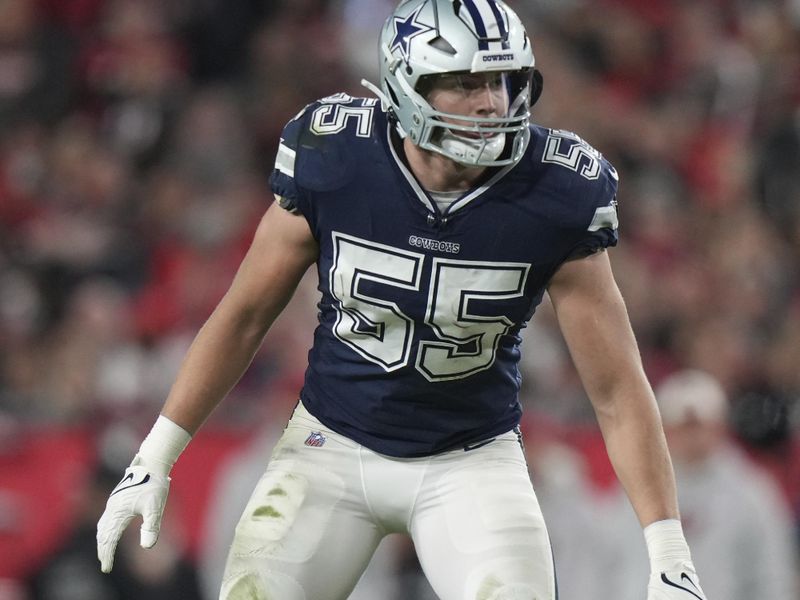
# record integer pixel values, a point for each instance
(256, 586)
(492, 588)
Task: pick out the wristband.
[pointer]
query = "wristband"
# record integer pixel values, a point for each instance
(162, 446)
(666, 545)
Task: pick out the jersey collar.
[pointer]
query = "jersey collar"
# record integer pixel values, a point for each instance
(424, 197)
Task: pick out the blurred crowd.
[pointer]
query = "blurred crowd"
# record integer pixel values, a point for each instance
(136, 138)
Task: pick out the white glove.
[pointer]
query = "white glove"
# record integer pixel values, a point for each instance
(672, 574)
(680, 583)
(141, 492)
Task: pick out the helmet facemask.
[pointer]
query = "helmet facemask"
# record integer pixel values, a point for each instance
(475, 140)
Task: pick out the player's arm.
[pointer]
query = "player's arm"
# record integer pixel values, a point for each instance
(595, 325)
(280, 254)
(282, 250)
(594, 321)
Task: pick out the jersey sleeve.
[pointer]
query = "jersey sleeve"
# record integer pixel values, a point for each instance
(601, 219)
(282, 180)
(316, 152)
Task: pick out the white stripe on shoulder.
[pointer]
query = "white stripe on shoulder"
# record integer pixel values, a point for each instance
(284, 161)
(605, 216)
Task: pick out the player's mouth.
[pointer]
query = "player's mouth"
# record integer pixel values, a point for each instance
(476, 135)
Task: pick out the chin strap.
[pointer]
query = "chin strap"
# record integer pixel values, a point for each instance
(385, 104)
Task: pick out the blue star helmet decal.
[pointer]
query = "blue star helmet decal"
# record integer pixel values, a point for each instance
(405, 30)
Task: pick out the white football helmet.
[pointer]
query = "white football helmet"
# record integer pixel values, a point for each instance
(427, 38)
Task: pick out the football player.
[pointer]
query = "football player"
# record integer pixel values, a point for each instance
(437, 216)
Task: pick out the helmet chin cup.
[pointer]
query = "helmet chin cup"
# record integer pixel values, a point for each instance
(472, 152)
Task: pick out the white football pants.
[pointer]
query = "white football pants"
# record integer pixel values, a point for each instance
(318, 513)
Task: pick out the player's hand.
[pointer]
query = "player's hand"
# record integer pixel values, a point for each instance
(141, 492)
(678, 583)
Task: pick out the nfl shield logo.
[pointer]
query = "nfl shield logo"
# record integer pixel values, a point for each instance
(315, 439)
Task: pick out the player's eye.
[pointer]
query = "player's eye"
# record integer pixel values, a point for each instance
(497, 81)
(467, 83)
(449, 82)
(471, 83)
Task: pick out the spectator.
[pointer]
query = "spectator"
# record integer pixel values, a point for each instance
(735, 517)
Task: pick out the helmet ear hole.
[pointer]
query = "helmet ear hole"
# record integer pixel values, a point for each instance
(537, 84)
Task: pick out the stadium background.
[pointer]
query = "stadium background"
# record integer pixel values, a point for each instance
(136, 137)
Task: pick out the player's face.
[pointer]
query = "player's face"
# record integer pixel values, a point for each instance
(470, 94)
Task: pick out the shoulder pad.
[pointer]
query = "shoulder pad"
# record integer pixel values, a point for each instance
(575, 167)
(319, 146)
(562, 147)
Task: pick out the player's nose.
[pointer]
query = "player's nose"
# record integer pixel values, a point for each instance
(487, 100)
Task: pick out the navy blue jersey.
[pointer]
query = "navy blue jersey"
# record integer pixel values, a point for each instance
(418, 341)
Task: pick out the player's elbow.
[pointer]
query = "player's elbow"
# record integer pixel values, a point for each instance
(626, 393)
